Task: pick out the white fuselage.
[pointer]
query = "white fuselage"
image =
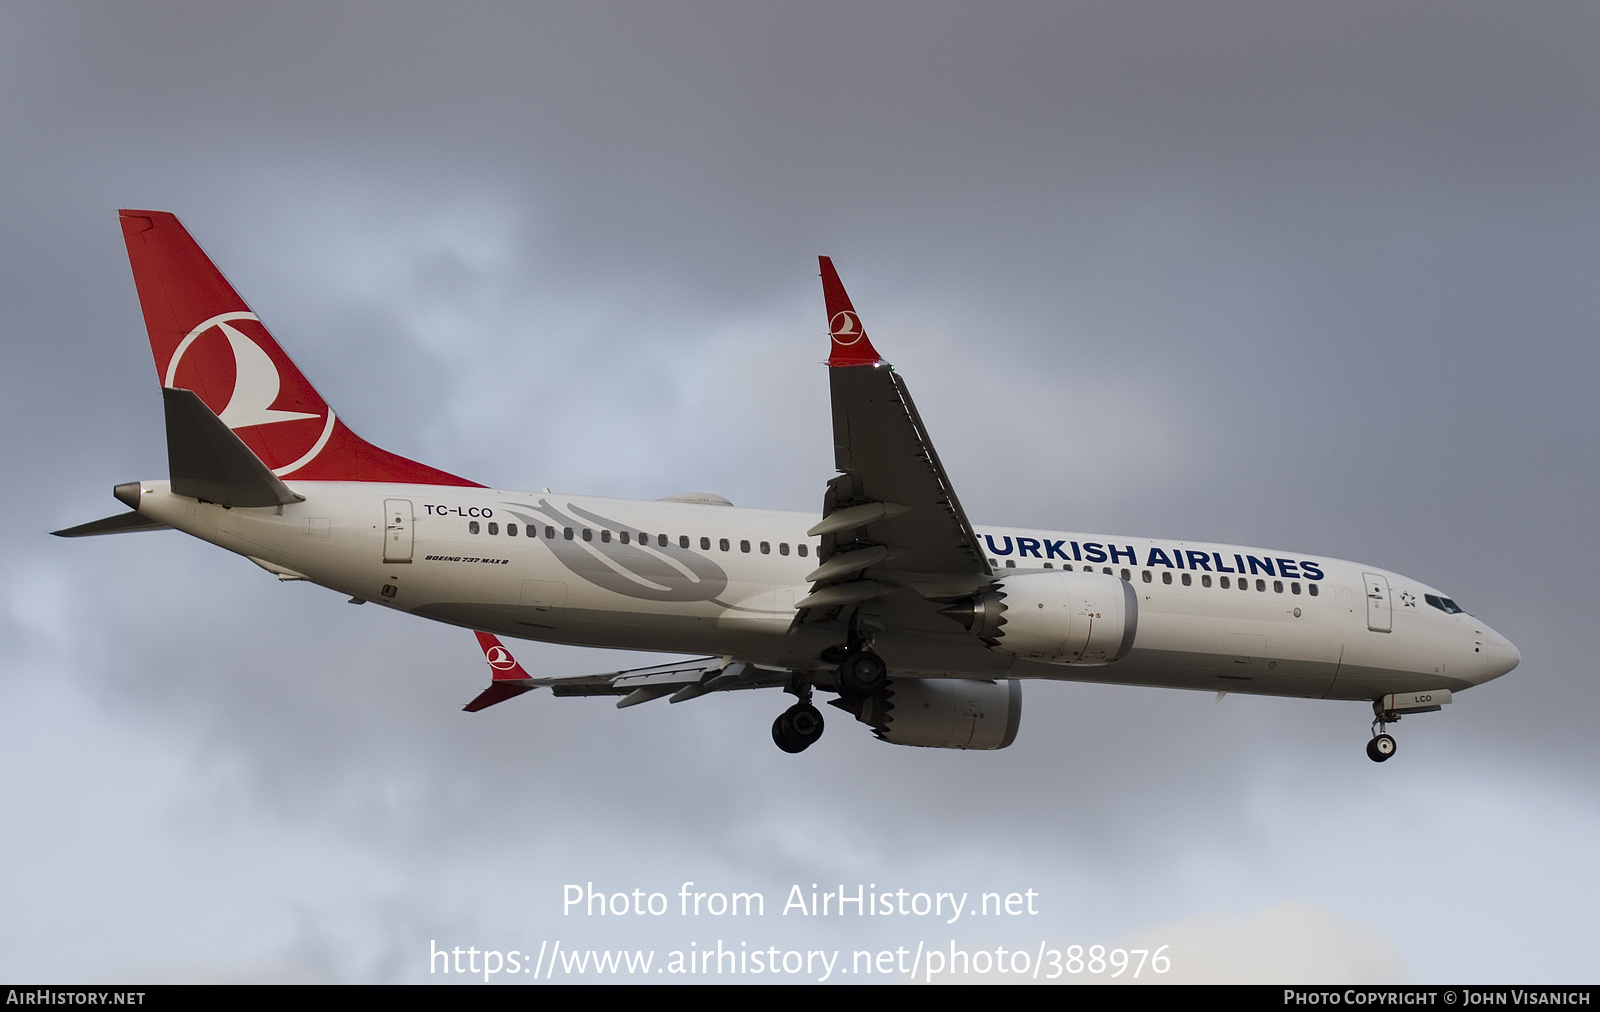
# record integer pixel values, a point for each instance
(723, 580)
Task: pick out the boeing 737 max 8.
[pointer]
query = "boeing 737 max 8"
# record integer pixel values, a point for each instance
(922, 624)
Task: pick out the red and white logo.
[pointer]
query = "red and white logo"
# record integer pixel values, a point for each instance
(846, 328)
(499, 658)
(236, 376)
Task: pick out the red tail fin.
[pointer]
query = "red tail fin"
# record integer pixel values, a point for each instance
(207, 340)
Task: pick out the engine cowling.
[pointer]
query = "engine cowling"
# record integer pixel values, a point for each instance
(945, 712)
(1055, 616)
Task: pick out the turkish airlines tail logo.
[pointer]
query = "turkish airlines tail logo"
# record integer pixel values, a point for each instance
(218, 347)
(256, 382)
(206, 339)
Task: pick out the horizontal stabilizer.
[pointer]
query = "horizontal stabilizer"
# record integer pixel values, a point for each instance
(122, 523)
(208, 461)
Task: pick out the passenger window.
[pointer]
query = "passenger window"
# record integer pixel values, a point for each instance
(744, 546)
(1068, 567)
(1127, 577)
(1107, 569)
(1313, 589)
(783, 548)
(1277, 586)
(1223, 583)
(472, 527)
(723, 544)
(623, 537)
(494, 528)
(1166, 578)
(1012, 564)
(683, 540)
(511, 530)
(801, 550)
(605, 537)
(766, 549)
(550, 532)
(1205, 579)
(588, 535)
(567, 533)
(705, 544)
(1048, 566)
(644, 539)
(1261, 585)
(1187, 580)
(1294, 588)
(661, 541)
(1145, 576)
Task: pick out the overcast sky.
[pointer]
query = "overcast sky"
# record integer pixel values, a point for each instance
(1316, 277)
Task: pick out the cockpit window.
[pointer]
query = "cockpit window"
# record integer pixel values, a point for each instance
(1444, 604)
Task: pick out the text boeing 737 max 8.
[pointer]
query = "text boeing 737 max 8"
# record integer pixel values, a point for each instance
(923, 624)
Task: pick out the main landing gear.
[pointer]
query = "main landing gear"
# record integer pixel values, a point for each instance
(1382, 745)
(798, 727)
(861, 674)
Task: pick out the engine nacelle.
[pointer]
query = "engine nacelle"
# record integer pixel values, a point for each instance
(1055, 616)
(945, 712)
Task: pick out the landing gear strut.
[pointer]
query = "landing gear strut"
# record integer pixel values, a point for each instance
(798, 727)
(1382, 745)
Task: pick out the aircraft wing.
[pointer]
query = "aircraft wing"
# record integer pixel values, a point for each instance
(891, 519)
(681, 680)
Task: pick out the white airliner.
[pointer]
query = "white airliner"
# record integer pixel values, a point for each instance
(923, 625)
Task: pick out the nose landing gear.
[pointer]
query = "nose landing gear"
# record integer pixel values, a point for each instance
(1382, 745)
(1380, 748)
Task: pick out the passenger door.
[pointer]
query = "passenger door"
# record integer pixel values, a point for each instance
(1380, 614)
(397, 530)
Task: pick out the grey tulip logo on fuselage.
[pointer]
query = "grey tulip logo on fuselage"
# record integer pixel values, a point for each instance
(653, 573)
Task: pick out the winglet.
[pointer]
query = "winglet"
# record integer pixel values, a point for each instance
(850, 344)
(507, 676)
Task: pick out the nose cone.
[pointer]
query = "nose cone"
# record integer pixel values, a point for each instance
(1499, 656)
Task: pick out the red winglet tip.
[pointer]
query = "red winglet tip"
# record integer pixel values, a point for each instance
(503, 667)
(497, 692)
(850, 344)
